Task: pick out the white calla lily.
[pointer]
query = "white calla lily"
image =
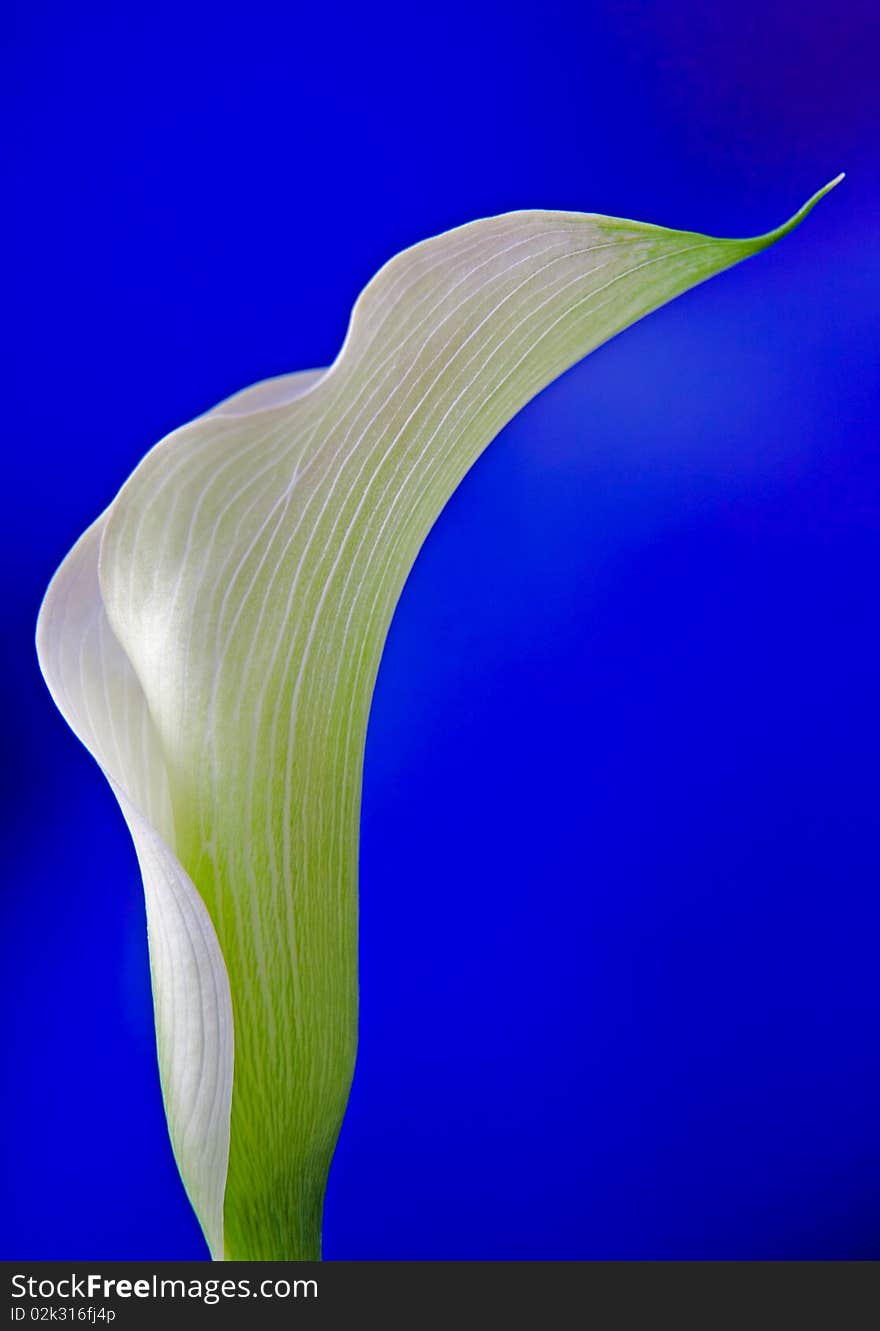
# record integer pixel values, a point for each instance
(214, 637)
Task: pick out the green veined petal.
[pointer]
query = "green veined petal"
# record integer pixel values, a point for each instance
(249, 569)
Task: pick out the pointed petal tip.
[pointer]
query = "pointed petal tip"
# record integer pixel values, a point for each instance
(795, 220)
(826, 189)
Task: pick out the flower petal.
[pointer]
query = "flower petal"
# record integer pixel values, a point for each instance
(98, 693)
(249, 569)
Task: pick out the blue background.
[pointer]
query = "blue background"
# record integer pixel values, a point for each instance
(628, 1004)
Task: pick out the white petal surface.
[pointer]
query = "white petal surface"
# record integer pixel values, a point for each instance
(249, 569)
(267, 393)
(97, 691)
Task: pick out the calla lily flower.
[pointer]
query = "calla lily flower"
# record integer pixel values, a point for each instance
(214, 637)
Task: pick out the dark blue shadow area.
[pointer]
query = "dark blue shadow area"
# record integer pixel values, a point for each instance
(620, 833)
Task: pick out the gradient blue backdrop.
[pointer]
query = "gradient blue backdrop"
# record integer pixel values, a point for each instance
(620, 834)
